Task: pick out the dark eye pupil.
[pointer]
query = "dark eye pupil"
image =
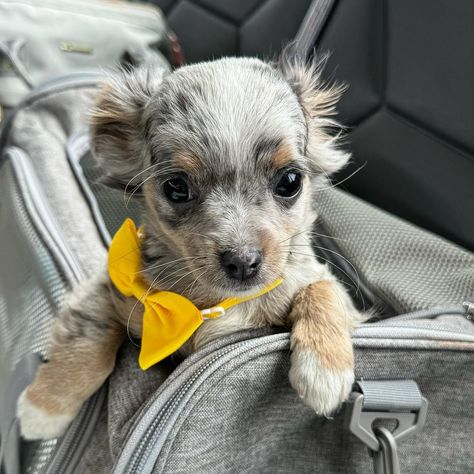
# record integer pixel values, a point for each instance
(289, 184)
(177, 190)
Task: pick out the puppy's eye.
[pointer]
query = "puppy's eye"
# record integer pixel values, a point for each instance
(289, 184)
(177, 190)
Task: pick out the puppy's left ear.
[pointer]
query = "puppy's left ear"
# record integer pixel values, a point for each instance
(118, 122)
(318, 102)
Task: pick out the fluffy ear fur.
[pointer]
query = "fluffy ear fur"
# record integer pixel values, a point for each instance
(118, 123)
(318, 101)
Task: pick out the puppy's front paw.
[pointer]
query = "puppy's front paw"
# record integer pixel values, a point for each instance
(35, 423)
(321, 388)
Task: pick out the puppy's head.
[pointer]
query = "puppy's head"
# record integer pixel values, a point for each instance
(226, 155)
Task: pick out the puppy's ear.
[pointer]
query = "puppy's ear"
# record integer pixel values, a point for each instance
(118, 123)
(318, 102)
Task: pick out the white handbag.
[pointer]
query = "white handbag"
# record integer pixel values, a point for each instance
(47, 38)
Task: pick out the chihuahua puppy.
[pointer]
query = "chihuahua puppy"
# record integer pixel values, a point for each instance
(227, 156)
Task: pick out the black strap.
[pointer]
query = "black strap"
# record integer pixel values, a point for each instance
(313, 23)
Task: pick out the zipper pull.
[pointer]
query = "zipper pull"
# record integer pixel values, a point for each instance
(469, 308)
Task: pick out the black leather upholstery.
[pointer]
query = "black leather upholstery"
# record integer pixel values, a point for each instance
(213, 28)
(409, 65)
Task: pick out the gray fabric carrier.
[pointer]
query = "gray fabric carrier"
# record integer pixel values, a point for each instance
(228, 407)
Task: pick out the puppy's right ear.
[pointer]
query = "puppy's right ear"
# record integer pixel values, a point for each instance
(318, 101)
(118, 123)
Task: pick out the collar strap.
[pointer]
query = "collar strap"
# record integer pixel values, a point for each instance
(169, 319)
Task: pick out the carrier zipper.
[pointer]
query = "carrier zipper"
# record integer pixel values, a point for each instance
(393, 328)
(75, 439)
(147, 443)
(144, 438)
(34, 200)
(165, 414)
(68, 447)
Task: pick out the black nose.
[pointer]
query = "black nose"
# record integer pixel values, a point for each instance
(241, 266)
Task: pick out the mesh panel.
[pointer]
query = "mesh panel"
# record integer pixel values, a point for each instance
(25, 329)
(112, 203)
(407, 266)
(40, 456)
(26, 315)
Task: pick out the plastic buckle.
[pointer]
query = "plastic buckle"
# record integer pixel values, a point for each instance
(360, 422)
(216, 309)
(381, 442)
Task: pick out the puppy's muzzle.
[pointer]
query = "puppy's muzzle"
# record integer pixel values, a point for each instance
(242, 265)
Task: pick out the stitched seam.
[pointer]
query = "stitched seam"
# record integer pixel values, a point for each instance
(424, 130)
(254, 11)
(384, 60)
(214, 12)
(367, 116)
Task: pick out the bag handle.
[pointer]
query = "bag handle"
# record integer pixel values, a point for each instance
(11, 49)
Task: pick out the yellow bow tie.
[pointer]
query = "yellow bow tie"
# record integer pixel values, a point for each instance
(169, 319)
